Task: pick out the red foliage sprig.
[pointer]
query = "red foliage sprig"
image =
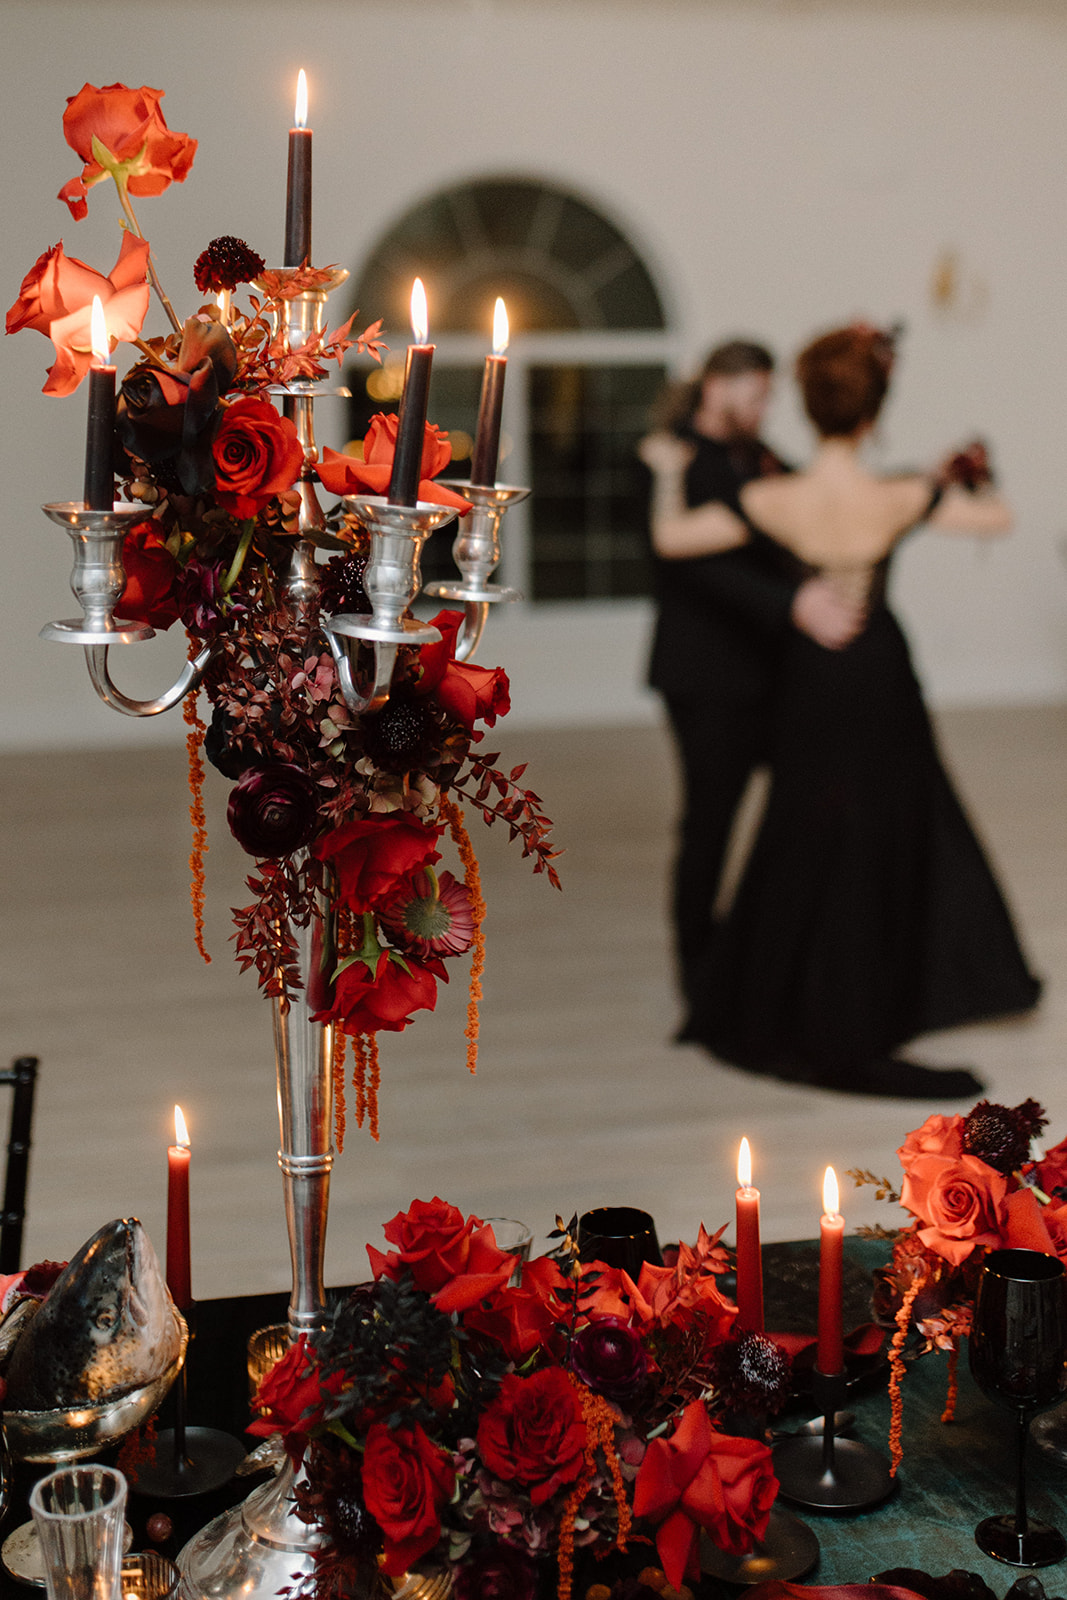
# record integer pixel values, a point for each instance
(519, 808)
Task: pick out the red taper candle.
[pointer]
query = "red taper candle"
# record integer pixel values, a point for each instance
(411, 424)
(298, 183)
(179, 1269)
(487, 432)
(830, 1355)
(749, 1255)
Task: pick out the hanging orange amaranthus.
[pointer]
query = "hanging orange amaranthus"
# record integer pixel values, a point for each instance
(600, 1419)
(953, 1384)
(194, 740)
(896, 1370)
(473, 881)
(337, 1061)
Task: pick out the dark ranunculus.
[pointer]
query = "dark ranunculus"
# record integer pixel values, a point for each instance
(257, 455)
(169, 418)
(500, 1573)
(272, 809)
(609, 1358)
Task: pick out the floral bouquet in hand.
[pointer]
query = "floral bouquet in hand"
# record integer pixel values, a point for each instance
(971, 1185)
(337, 810)
(471, 1410)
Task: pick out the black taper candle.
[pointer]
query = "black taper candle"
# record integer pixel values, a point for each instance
(298, 199)
(487, 433)
(411, 426)
(100, 440)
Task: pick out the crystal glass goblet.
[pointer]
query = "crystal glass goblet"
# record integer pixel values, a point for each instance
(1018, 1355)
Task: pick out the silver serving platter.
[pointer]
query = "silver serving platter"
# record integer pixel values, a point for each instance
(73, 1433)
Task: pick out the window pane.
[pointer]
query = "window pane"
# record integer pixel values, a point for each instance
(589, 507)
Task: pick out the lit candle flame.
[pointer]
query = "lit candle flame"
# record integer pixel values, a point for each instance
(98, 333)
(500, 327)
(744, 1166)
(181, 1132)
(420, 321)
(830, 1198)
(300, 116)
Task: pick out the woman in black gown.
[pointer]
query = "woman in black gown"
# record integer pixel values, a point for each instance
(867, 913)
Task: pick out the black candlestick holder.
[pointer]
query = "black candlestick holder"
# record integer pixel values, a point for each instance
(827, 1473)
(188, 1461)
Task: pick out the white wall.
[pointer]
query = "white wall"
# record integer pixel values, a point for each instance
(784, 166)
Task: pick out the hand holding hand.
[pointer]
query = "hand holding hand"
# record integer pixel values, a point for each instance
(826, 615)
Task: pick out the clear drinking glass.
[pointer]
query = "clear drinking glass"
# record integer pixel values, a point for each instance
(80, 1515)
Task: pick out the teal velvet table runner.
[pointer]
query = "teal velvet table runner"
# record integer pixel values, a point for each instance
(952, 1476)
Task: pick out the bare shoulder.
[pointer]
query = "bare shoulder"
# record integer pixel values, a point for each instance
(908, 497)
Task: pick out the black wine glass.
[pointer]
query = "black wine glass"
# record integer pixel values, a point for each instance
(1018, 1353)
(620, 1236)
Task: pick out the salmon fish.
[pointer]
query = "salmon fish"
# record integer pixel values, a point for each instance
(107, 1326)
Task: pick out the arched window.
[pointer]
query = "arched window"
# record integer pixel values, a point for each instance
(589, 351)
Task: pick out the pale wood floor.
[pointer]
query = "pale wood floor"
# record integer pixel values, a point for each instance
(580, 1098)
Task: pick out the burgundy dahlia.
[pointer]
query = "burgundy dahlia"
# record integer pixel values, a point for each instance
(501, 1573)
(1000, 1135)
(609, 1358)
(752, 1373)
(273, 809)
(225, 263)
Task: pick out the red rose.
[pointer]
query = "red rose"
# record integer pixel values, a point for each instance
(56, 298)
(257, 455)
(1051, 1172)
(344, 474)
(534, 1433)
(145, 154)
(407, 1479)
(374, 855)
(522, 1316)
(291, 1398)
(366, 1002)
(466, 692)
(938, 1136)
(151, 592)
(960, 1202)
(453, 1258)
(699, 1478)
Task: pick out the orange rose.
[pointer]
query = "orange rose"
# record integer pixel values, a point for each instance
(938, 1136)
(122, 133)
(961, 1204)
(257, 455)
(343, 474)
(56, 298)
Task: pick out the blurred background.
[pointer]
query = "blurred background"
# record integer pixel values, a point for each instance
(639, 182)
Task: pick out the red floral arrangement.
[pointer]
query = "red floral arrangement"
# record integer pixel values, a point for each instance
(971, 1185)
(471, 1410)
(331, 806)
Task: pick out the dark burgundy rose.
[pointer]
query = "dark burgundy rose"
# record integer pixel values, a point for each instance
(169, 419)
(200, 597)
(272, 809)
(502, 1573)
(609, 1358)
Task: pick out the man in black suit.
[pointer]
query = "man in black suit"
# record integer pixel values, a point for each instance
(719, 629)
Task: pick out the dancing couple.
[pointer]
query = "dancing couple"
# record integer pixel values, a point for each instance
(867, 913)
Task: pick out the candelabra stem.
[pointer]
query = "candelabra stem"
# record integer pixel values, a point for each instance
(475, 616)
(188, 679)
(373, 697)
(303, 1052)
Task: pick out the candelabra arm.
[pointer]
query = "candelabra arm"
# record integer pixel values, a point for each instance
(475, 616)
(188, 679)
(356, 699)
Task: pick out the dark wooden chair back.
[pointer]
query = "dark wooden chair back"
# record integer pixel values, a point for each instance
(22, 1076)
